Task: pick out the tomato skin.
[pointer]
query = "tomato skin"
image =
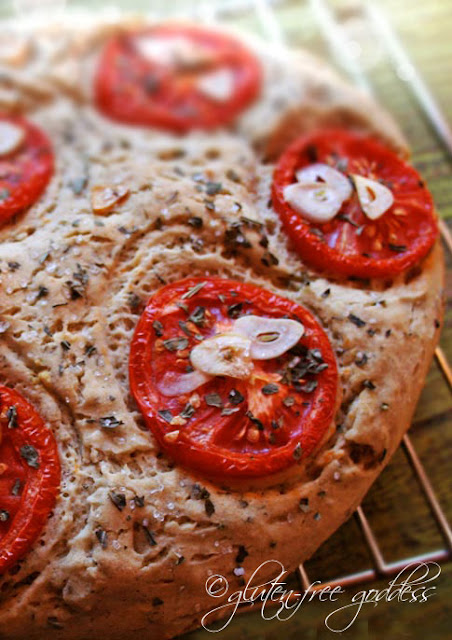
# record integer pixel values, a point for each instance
(30, 509)
(419, 226)
(120, 83)
(207, 446)
(24, 173)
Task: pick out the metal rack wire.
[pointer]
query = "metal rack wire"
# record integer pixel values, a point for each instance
(334, 36)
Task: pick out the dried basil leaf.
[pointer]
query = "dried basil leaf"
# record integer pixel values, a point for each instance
(235, 397)
(397, 248)
(235, 310)
(149, 535)
(309, 386)
(187, 411)
(196, 222)
(194, 290)
(110, 422)
(102, 536)
(241, 555)
(209, 507)
(269, 389)
(214, 400)
(255, 420)
(166, 415)
(297, 452)
(158, 328)
(228, 411)
(118, 499)
(198, 316)
(11, 416)
(212, 188)
(30, 455)
(17, 487)
(175, 344)
(356, 321)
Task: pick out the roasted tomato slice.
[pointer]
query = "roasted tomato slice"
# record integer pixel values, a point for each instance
(352, 243)
(26, 165)
(29, 476)
(271, 417)
(176, 77)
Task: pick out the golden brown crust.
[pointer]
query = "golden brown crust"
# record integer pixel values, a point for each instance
(100, 570)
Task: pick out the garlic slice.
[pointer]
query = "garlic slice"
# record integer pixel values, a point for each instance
(318, 174)
(374, 197)
(226, 354)
(317, 203)
(319, 193)
(269, 337)
(175, 384)
(104, 198)
(218, 85)
(11, 137)
(174, 51)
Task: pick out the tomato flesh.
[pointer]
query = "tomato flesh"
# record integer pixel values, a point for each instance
(25, 171)
(29, 478)
(232, 427)
(133, 89)
(351, 244)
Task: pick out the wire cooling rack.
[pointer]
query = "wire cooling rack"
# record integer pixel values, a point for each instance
(327, 20)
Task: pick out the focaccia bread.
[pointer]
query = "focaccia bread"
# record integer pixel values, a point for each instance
(73, 285)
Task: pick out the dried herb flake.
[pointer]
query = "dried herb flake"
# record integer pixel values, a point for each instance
(118, 499)
(214, 400)
(269, 389)
(110, 422)
(356, 321)
(30, 455)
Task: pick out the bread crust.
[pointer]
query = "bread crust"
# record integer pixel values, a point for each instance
(96, 570)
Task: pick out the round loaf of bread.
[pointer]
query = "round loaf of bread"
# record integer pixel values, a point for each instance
(102, 571)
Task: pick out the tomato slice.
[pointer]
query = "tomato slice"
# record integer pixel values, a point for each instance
(29, 476)
(24, 171)
(132, 88)
(352, 244)
(232, 427)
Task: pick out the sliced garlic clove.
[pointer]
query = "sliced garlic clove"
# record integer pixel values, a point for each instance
(11, 137)
(315, 202)
(318, 174)
(104, 198)
(218, 85)
(319, 193)
(155, 49)
(270, 337)
(175, 384)
(375, 198)
(172, 51)
(226, 354)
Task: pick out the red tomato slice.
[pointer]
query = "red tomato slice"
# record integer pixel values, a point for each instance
(137, 90)
(25, 171)
(29, 478)
(231, 427)
(351, 244)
